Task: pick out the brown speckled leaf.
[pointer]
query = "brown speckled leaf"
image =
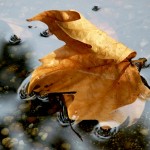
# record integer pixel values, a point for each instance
(92, 64)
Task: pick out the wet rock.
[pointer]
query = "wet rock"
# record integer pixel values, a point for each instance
(16, 127)
(65, 146)
(45, 33)
(104, 133)
(25, 107)
(8, 119)
(34, 131)
(144, 131)
(29, 26)
(96, 8)
(44, 136)
(14, 40)
(9, 142)
(31, 125)
(6, 141)
(5, 131)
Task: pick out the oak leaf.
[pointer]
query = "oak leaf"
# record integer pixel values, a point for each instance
(91, 63)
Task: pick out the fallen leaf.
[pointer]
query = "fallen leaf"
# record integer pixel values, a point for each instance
(95, 66)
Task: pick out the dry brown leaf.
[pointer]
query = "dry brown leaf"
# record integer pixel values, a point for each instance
(92, 64)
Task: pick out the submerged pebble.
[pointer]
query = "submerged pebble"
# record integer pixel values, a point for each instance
(9, 142)
(6, 140)
(8, 119)
(144, 131)
(25, 107)
(65, 146)
(16, 127)
(34, 131)
(5, 131)
(44, 136)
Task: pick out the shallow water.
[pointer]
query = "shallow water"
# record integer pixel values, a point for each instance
(34, 124)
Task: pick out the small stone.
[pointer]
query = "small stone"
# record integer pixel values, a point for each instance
(13, 80)
(34, 131)
(16, 127)
(44, 136)
(14, 40)
(144, 131)
(25, 107)
(96, 8)
(8, 119)
(40, 133)
(45, 33)
(5, 141)
(5, 131)
(31, 125)
(29, 26)
(24, 117)
(66, 146)
(13, 142)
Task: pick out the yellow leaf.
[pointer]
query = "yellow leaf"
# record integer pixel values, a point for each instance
(92, 64)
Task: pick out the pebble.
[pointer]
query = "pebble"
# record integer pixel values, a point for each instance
(66, 146)
(14, 40)
(34, 131)
(9, 142)
(24, 117)
(6, 140)
(45, 33)
(25, 107)
(144, 131)
(16, 127)
(5, 131)
(31, 125)
(41, 133)
(29, 26)
(8, 119)
(44, 136)
(96, 8)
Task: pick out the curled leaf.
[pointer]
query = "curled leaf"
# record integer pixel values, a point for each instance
(95, 66)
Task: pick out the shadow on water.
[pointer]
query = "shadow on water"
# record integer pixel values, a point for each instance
(13, 67)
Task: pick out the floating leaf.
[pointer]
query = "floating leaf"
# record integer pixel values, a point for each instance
(95, 66)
